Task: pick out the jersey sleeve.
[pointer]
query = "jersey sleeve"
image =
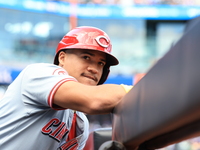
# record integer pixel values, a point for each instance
(40, 82)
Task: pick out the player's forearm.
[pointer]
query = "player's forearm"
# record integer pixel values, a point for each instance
(89, 99)
(106, 98)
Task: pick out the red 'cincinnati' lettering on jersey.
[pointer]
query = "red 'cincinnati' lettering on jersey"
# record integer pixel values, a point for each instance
(70, 145)
(55, 129)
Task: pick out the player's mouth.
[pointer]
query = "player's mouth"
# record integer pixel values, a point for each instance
(92, 77)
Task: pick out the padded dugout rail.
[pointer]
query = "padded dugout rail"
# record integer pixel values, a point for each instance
(97, 138)
(163, 108)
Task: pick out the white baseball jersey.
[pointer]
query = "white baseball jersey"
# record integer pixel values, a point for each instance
(28, 118)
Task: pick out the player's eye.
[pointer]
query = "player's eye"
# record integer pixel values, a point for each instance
(102, 63)
(86, 57)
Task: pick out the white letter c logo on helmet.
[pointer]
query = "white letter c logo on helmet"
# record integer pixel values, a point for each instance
(99, 42)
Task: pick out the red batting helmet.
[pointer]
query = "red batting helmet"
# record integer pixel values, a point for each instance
(90, 38)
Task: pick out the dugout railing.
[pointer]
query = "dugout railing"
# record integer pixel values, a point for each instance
(163, 108)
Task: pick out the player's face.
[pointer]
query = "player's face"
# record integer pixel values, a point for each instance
(85, 65)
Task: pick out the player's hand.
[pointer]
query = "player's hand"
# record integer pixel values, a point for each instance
(127, 88)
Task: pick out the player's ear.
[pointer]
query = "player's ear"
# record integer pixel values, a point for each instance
(61, 58)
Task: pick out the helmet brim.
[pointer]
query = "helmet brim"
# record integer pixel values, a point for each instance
(110, 59)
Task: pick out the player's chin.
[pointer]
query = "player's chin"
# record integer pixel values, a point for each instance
(88, 81)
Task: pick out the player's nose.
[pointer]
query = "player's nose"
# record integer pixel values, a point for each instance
(93, 68)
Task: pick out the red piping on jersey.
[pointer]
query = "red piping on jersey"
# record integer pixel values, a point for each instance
(72, 132)
(61, 70)
(53, 91)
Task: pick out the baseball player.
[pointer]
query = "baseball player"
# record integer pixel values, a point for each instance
(45, 106)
